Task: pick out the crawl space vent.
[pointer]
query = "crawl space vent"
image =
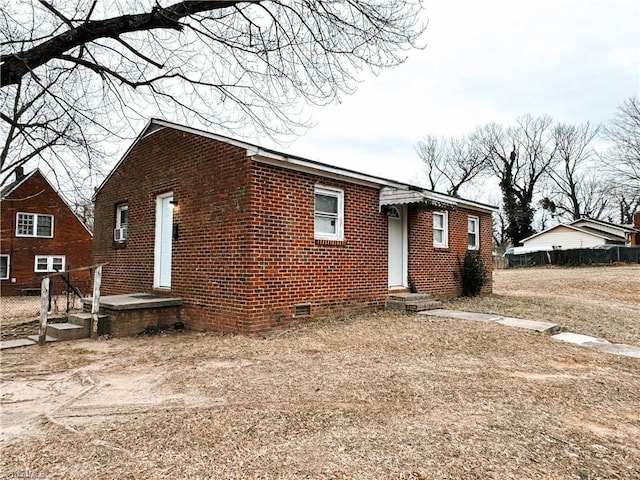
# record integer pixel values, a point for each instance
(302, 310)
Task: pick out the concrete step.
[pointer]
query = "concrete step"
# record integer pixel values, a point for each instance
(67, 331)
(413, 306)
(48, 338)
(408, 297)
(422, 305)
(83, 319)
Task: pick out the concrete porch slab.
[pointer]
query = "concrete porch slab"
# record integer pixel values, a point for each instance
(134, 301)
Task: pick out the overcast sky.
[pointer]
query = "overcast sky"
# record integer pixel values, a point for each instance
(487, 61)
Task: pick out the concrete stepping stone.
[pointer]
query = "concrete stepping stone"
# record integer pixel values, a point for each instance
(19, 342)
(542, 327)
(579, 339)
(620, 349)
(599, 343)
(480, 317)
(538, 326)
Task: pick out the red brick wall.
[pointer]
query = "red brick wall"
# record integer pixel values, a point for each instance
(246, 253)
(70, 238)
(635, 237)
(437, 270)
(290, 267)
(209, 181)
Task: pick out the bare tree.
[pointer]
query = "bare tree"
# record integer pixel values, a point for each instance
(576, 190)
(75, 73)
(625, 200)
(624, 132)
(450, 163)
(519, 156)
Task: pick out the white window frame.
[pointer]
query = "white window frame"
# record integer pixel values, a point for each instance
(8, 257)
(339, 216)
(119, 209)
(35, 225)
(444, 229)
(49, 258)
(476, 221)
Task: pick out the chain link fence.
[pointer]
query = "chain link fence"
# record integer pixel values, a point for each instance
(19, 315)
(576, 257)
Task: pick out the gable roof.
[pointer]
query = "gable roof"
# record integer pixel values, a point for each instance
(12, 187)
(8, 189)
(593, 232)
(596, 223)
(274, 157)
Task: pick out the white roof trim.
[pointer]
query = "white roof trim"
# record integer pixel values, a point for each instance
(19, 182)
(603, 235)
(616, 226)
(397, 196)
(272, 157)
(302, 166)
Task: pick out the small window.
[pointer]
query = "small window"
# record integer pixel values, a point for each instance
(440, 229)
(4, 267)
(329, 214)
(49, 263)
(34, 225)
(473, 232)
(122, 215)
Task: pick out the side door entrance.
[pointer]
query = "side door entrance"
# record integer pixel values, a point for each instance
(397, 226)
(163, 243)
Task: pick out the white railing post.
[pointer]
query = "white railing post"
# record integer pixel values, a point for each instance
(95, 304)
(44, 311)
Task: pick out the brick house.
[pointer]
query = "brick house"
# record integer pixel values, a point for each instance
(251, 238)
(39, 234)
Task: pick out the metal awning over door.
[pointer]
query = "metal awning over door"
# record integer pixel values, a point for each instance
(399, 196)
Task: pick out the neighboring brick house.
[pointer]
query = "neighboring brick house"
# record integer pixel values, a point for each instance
(39, 234)
(252, 239)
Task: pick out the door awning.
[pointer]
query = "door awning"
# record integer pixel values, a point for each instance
(399, 196)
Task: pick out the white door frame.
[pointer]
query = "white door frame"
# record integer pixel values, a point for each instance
(402, 209)
(162, 202)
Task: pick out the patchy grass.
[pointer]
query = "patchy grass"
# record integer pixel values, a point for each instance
(368, 397)
(598, 301)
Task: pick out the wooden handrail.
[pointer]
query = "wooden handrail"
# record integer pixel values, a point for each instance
(62, 272)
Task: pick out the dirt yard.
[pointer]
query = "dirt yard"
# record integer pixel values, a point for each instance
(369, 397)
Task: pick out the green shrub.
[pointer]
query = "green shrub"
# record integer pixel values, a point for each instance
(474, 274)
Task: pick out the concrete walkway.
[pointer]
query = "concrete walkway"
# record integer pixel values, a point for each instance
(542, 327)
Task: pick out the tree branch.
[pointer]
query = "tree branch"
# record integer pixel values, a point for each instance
(16, 65)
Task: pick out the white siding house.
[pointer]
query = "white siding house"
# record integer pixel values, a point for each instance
(565, 237)
(582, 233)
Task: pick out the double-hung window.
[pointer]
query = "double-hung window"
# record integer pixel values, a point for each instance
(49, 263)
(122, 215)
(473, 232)
(34, 225)
(4, 267)
(329, 214)
(440, 229)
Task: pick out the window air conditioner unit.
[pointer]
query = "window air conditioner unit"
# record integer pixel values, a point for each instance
(120, 234)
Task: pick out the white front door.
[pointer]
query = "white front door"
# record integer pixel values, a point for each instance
(164, 234)
(397, 246)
